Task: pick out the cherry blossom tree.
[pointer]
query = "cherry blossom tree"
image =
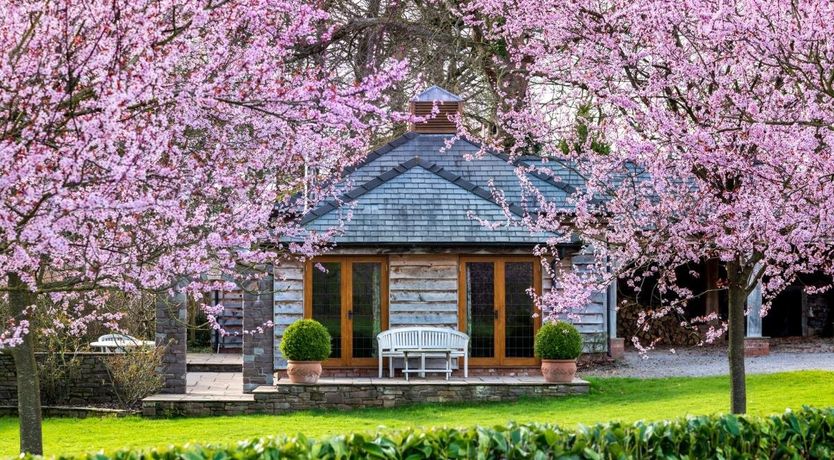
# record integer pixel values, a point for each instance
(147, 142)
(701, 129)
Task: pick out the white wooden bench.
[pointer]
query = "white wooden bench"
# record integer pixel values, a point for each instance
(431, 342)
(119, 343)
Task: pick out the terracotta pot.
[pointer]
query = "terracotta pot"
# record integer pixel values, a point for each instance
(304, 371)
(558, 370)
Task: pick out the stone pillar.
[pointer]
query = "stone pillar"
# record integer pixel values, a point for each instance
(754, 343)
(171, 321)
(258, 366)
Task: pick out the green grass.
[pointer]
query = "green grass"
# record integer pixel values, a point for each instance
(610, 399)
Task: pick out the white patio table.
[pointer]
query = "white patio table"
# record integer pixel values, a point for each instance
(430, 352)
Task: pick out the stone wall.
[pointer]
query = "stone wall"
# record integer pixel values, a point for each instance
(335, 395)
(820, 315)
(71, 411)
(87, 383)
(171, 320)
(257, 347)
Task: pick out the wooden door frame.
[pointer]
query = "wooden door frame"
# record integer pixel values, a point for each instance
(499, 301)
(346, 296)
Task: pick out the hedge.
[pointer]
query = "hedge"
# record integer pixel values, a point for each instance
(305, 340)
(808, 433)
(557, 340)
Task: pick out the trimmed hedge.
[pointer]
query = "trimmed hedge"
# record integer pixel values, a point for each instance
(306, 340)
(808, 433)
(557, 340)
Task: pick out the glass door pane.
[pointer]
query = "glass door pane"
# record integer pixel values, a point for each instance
(367, 307)
(327, 302)
(480, 308)
(519, 325)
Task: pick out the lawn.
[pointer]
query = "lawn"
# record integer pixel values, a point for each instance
(609, 399)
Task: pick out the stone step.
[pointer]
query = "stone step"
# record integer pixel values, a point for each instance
(215, 367)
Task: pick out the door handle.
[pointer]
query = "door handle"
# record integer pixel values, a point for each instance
(350, 315)
(495, 312)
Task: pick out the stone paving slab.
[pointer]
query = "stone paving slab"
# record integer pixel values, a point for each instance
(214, 383)
(214, 362)
(192, 397)
(477, 380)
(214, 358)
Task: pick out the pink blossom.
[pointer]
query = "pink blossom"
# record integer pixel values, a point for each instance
(146, 142)
(717, 121)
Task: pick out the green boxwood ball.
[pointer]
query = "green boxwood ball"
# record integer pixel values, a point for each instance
(306, 340)
(558, 340)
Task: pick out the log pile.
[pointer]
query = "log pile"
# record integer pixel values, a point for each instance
(671, 330)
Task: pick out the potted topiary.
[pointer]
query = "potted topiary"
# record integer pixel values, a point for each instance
(558, 344)
(306, 343)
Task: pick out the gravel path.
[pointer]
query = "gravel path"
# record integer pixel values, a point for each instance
(709, 361)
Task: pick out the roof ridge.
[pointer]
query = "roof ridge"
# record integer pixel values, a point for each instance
(371, 156)
(380, 151)
(430, 95)
(408, 136)
(398, 170)
(567, 188)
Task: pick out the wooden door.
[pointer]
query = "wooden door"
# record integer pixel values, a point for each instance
(496, 310)
(350, 298)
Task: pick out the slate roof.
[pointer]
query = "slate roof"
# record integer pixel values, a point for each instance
(415, 190)
(479, 170)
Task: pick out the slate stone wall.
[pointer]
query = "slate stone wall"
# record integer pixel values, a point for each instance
(287, 397)
(171, 323)
(820, 315)
(258, 347)
(290, 397)
(8, 384)
(87, 383)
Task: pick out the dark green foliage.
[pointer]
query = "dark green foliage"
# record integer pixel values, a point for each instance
(808, 434)
(306, 340)
(584, 116)
(558, 340)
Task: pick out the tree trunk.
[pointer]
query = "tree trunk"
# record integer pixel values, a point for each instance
(28, 386)
(712, 300)
(735, 352)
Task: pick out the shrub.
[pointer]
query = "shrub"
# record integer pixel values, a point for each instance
(558, 340)
(306, 340)
(135, 374)
(808, 434)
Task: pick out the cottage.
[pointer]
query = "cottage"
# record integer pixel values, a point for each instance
(413, 253)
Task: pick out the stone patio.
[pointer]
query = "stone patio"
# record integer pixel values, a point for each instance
(214, 383)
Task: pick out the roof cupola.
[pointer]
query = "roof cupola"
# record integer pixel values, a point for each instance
(448, 105)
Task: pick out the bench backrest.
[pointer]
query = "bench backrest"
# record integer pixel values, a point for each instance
(422, 337)
(458, 341)
(119, 339)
